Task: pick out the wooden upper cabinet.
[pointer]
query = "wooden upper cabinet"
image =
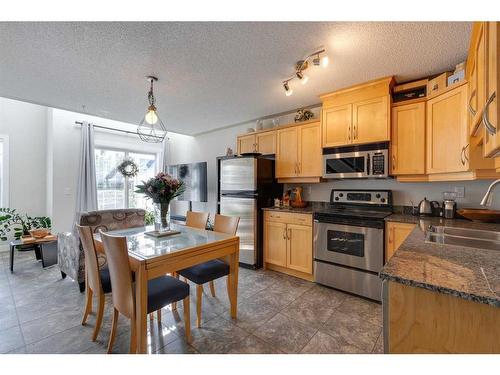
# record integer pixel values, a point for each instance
(309, 156)
(266, 142)
(477, 78)
(299, 251)
(408, 139)
(247, 143)
(447, 132)
(358, 114)
(337, 125)
(371, 120)
(286, 152)
(492, 82)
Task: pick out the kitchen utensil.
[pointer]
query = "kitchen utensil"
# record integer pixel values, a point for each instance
(427, 208)
(481, 215)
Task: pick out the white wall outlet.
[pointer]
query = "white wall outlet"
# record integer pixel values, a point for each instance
(460, 190)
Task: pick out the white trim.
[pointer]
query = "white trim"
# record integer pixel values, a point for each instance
(4, 199)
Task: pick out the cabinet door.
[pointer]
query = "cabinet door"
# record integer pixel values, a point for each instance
(337, 125)
(286, 152)
(478, 96)
(396, 233)
(370, 120)
(447, 132)
(408, 139)
(266, 143)
(299, 248)
(309, 150)
(492, 141)
(246, 143)
(275, 243)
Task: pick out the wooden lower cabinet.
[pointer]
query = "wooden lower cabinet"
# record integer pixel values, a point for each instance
(418, 320)
(395, 234)
(288, 245)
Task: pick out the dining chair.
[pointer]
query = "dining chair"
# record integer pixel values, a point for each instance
(213, 269)
(162, 291)
(197, 219)
(97, 281)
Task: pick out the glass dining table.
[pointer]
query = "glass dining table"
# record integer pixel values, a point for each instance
(151, 257)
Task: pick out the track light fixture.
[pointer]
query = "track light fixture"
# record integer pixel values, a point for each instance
(318, 58)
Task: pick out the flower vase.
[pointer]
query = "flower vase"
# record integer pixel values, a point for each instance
(162, 216)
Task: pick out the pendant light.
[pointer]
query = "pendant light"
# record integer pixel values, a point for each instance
(151, 129)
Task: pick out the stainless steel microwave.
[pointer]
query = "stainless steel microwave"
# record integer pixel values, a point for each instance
(363, 161)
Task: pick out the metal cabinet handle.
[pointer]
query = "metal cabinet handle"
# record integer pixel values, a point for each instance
(289, 236)
(299, 167)
(355, 132)
(489, 126)
(393, 162)
(349, 133)
(463, 156)
(469, 106)
(465, 153)
(284, 233)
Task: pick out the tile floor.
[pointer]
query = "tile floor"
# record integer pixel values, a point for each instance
(41, 313)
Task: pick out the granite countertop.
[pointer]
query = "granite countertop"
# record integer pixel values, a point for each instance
(469, 273)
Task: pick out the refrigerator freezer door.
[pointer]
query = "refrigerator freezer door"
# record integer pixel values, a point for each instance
(238, 174)
(246, 209)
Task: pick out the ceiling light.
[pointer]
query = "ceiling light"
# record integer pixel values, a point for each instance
(151, 128)
(325, 61)
(318, 58)
(303, 78)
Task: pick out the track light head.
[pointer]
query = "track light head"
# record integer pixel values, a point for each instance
(303, 78)
(288, 90)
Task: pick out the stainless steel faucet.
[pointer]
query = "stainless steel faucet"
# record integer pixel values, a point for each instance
(488, 197)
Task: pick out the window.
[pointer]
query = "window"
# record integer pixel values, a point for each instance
(116, 191)
(4, 171)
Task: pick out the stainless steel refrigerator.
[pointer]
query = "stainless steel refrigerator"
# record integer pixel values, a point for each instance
(246, 185)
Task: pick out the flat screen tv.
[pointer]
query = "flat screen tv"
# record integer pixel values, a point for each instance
(194, 176)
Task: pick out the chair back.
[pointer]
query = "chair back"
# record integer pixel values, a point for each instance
(120, 274)
(91, 263)
(108, 220)
(226, 224)
(196, 219)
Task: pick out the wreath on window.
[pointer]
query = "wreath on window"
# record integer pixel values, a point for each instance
(128, 168)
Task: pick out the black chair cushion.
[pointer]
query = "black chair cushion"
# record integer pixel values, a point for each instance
(105, 280)
(164, 290)
(205, 272)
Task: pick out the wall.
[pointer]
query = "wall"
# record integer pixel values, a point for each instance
(26, 126)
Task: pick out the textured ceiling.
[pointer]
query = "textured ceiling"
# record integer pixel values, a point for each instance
(211, 74)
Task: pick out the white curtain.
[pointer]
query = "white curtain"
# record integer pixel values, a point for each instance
(164, 156)
(86, 188)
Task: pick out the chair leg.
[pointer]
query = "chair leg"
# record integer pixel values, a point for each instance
(212, 288)
(88, 306)
(158, 315)
(133, 337)
(151, 317)
(187, 318)
(199, 293)
(100, 313)
(114, 323)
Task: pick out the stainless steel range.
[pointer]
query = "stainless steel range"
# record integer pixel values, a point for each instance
(349, 241)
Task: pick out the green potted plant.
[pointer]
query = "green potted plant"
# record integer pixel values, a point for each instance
(18, 225)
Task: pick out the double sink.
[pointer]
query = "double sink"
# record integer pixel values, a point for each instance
(476, 238)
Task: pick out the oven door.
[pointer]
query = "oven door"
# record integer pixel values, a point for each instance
(347, 245)
(346, 165)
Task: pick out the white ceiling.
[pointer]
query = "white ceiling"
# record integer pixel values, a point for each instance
(211, 74)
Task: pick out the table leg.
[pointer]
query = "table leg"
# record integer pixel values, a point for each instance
(141, 308)
(233, 282)
(12, 248)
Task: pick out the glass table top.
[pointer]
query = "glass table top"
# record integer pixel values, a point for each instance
(146, 246)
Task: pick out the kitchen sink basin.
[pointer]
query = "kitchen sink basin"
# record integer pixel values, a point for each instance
(480, 239)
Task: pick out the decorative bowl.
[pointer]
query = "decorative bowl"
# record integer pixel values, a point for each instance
(40, 233)
(298, 204)
(479, 214)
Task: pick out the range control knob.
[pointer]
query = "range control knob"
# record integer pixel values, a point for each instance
(377, 195)
(382, 200)
(341, 195)
(336, 198)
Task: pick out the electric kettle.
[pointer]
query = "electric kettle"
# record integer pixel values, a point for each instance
(427, 208)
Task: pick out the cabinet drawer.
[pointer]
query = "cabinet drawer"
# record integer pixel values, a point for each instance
(288, 217)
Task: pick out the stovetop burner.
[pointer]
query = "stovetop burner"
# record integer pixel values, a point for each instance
(355, 212)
